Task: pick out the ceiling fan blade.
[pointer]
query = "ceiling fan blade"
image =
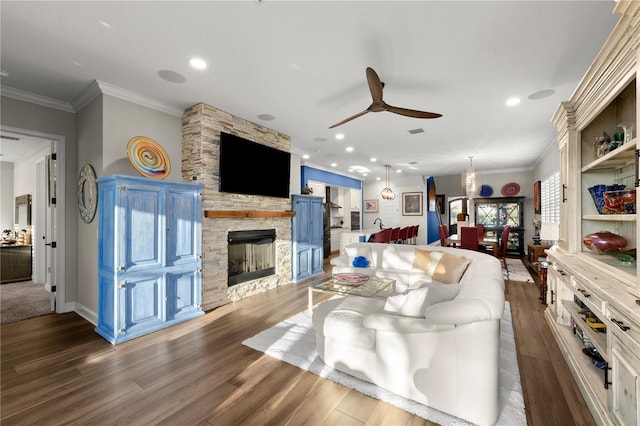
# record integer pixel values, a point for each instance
(412, 112)
(350, 118)
(375, 85)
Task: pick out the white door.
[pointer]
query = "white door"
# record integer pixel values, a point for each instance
(40, 212)
(51, 239)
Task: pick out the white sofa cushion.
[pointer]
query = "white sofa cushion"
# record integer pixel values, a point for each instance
(397, 256)
(415, 302)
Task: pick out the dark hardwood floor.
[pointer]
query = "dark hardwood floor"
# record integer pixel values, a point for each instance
(56, 370)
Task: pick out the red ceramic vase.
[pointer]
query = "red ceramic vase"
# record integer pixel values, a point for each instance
(603, 241)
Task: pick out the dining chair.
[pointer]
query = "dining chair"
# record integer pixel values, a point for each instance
(480, 228)
(469, 238)
(395, 233)
(403, 235)
(383, 236)
(414, 239)
(441, 233)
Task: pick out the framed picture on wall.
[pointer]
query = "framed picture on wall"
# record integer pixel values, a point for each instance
(537, 204)
(412, 203)
(370, 206)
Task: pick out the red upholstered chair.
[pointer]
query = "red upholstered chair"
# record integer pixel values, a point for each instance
(480, 228)
(383, 236)
(442, 234)
(415, 234)
(395, 233)
(469, 238)
(403, 235)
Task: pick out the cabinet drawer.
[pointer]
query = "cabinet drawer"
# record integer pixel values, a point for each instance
(627, 329)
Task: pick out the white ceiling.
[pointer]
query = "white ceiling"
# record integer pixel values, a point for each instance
(304, 63)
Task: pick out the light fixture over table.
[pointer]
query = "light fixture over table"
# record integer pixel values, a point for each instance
(387, 193)
(471, 180)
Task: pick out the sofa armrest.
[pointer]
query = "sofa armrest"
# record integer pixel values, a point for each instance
(464, 311)
(342, 260)
(401, 324)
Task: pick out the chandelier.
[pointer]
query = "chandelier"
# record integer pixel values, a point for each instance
(387, 193)
(471, 180)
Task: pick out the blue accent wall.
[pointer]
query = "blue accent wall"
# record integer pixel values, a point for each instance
(432, 216)
(309, 173)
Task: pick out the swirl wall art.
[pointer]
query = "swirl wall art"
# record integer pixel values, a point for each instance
(148, 157)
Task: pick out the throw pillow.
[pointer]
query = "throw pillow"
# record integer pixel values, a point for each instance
(360, 262)
(417, 301)
(357, 250)
(422, 260)
(449, 268)
(440, 292)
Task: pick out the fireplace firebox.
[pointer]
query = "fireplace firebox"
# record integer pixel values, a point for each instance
(252, 255)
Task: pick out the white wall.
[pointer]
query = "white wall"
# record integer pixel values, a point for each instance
(7, 209)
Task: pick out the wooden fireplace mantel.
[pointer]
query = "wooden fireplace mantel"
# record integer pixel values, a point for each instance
(253, 214)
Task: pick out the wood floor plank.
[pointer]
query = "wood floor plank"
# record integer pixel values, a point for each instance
(56, 370)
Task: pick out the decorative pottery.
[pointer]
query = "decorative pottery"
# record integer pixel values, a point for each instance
(597, 191)
(619, 202)
(486, 191)
(511, 189)
(148, 157)
(602, 241)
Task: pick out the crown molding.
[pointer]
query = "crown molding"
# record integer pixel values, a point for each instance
(129, 96)
(22, 95)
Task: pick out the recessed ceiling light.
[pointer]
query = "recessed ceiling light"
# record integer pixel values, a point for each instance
(513, 101)
(305, 156)
(3, 73)
(378, 178)
(334, 164)
(171, 76)
(339, 136)
(373, 159)
(266, 117)
(349, 149)
(365, 174)
(198, 64)
(398, 171)
(541, 94)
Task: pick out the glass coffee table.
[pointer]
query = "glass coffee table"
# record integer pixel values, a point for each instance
(351, 284)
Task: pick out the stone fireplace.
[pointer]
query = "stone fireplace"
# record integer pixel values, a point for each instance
(224, 212)
(251, 255)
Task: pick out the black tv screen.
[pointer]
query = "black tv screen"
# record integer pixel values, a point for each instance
(248, 167)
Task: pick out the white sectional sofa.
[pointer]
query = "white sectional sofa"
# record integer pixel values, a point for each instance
(433, 342)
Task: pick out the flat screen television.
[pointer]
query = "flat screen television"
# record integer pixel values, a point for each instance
(247, 167)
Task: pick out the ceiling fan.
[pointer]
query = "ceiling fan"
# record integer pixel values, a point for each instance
(378, 105)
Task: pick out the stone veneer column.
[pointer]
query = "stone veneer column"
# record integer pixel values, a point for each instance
(201, 127)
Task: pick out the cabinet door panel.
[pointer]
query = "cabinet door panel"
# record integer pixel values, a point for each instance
(317, 254)
(303, 262)
(316, 225)
(301, 232)
(625, 367)
(141, 300)
(143, 223)
(183, 227)
(183, 295)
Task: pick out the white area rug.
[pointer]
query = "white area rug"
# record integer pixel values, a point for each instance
(518, 272)
(293, 341)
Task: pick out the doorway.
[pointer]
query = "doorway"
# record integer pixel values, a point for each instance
(48, 213)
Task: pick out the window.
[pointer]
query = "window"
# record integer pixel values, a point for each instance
(551, 199)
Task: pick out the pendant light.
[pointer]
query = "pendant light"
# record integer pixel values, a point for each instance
(471, 180)
(387, 193)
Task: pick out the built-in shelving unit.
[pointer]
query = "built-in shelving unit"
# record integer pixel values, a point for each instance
(581, 282)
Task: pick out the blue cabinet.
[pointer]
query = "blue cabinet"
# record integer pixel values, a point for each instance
(306, 237)
(149, 255)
